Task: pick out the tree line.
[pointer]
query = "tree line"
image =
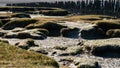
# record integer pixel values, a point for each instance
(106, 7)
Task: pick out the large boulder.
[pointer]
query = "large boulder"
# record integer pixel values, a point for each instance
(26, 44)
(92, 32)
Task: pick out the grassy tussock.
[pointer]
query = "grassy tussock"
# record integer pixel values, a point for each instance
(103, 47)
(12, 56)
(108, 24)
(52, 27)
(18, 23)
(113, 33)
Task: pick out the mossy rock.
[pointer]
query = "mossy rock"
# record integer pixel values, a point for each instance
(113, 33)
(18, 23)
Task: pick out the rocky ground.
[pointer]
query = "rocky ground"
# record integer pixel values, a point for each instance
(67, 51)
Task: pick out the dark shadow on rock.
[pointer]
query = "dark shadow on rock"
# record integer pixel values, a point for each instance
(54, 33)
(107, 51)
(110, 55)
(92, 33)
(70, 32)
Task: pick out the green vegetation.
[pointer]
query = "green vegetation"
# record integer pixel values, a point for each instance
(11, 56)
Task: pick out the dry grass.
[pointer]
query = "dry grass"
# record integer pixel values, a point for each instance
(19, 23)
(88, 18)
(108, 24)
(11, 56)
